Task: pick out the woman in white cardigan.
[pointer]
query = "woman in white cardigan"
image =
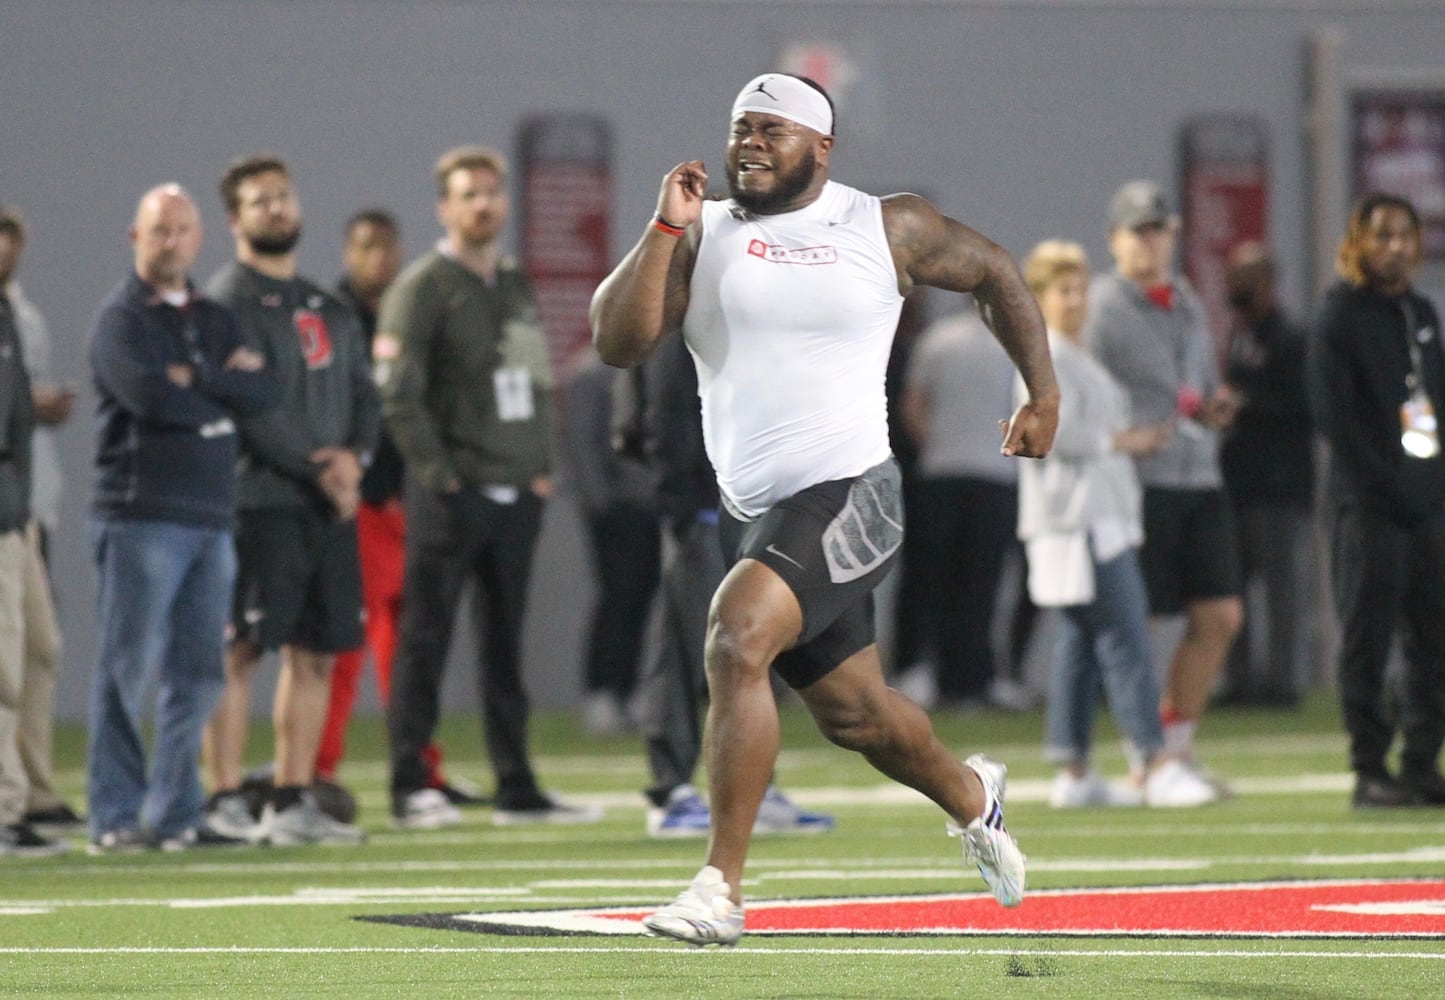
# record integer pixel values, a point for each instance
(1079, 519)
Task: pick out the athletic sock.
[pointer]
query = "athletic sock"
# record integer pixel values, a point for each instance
(992, 814)
(1179, 736)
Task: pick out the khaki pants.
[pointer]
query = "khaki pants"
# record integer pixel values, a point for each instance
(29, 652)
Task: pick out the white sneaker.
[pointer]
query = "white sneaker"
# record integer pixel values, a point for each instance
(919, 685)
(1010, 696)
(1222, 789)
(1070, 792)
(1173, 784)
(701, 914)
(426, 809)
(229, 815)
(986, 842)
(602, 715)
(304, 823)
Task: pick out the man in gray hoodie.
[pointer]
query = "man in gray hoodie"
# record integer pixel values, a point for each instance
(1149, 329)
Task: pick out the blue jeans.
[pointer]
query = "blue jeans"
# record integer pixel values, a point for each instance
(164, 594)
(1104, 646)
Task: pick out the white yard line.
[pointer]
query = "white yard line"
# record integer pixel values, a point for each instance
(543, 891)
(848, 948)
(767, 868)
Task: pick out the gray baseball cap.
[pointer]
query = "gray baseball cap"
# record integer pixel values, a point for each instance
(1139, 203)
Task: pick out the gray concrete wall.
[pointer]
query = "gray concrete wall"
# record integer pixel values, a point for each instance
(1017, 117)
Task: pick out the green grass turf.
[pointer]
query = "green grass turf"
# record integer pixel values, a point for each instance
(279, 922)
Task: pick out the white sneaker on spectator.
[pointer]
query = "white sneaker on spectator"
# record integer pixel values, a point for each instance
(603, 715)
(229, 814)
(1173, 784)
(303, 822)
(426, 809)
(1010, 695)
(919, 684)
(1072, 792)
(1222, 789)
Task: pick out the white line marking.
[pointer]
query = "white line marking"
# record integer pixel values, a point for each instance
(663, 948)
(539, 891)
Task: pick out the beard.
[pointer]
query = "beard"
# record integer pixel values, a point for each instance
(274, 244)
(786, 187)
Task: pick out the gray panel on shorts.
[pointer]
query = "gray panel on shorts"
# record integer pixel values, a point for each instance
(869, 528)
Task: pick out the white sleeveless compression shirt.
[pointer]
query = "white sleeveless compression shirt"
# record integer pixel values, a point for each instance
(790, 321)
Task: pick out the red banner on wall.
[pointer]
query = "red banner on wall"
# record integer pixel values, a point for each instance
(1224, 179)
(566, 216)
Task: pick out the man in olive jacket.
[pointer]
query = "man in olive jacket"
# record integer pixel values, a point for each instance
(465, 383)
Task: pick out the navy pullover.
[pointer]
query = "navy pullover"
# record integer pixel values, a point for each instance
(163, 451)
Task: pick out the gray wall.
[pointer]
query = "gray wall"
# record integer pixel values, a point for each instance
(1017, 117)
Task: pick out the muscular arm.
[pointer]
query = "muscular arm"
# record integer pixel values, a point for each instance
(931, 249)
(645, 296)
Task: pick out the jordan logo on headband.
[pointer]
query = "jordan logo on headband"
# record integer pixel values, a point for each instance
(787, 97)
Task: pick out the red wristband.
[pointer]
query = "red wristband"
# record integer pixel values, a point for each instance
(663, 226)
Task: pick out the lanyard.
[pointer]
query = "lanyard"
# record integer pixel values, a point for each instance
(1415, 381)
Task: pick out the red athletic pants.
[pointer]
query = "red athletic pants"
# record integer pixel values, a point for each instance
(381, 540)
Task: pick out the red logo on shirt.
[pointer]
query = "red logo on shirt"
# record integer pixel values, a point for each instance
(315, 339)
(782, 255)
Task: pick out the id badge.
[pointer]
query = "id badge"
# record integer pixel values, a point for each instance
(512, 386)
(1419, 432)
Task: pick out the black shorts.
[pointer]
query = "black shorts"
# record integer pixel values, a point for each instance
(1189, 549)
(832, 544)
(298, 581)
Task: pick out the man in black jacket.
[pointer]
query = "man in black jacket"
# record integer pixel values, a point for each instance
(172, 375)
(1267, 457)
(1377, 381)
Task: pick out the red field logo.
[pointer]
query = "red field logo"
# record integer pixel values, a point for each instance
(1334, 909)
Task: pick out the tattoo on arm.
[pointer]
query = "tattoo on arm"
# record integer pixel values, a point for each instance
(931, 249)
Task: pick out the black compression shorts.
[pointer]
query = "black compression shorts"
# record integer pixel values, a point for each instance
(832, 544)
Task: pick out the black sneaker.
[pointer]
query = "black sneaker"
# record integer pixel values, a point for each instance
(334, 799)
(1380, 791)
(60, 817)
(541, 807)
(1429, 785)
(20, 841)
(202, 836)
(256, 788)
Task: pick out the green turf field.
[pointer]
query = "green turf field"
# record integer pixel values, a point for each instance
(280, 922)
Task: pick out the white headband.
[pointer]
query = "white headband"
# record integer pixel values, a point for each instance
(787, 97)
